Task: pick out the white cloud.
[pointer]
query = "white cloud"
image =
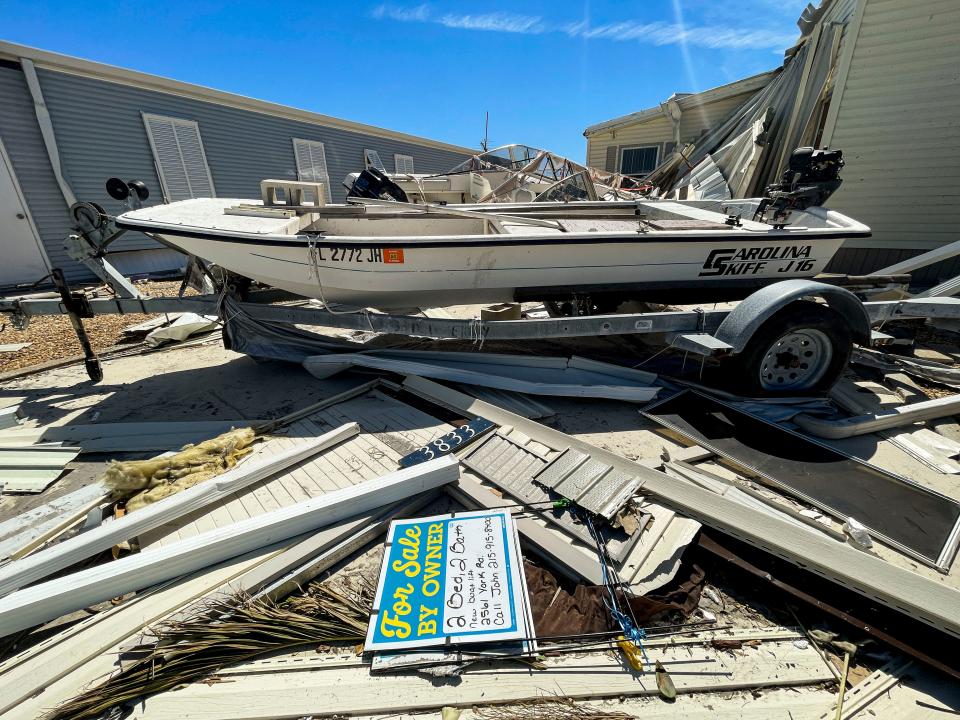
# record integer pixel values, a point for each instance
(654, 33)
(499, 22)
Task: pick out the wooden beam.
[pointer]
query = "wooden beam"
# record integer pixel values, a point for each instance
(914, 595)
(62, 555)
(46, 601)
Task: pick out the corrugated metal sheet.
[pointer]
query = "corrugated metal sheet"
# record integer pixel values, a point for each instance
(100, 132)
(21, 136)
(897, 126)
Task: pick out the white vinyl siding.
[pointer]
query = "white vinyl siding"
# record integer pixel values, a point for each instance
(639, 160)
(312, 163)
(403, 164)
(181, 162)
(371, 158)
(896, 122)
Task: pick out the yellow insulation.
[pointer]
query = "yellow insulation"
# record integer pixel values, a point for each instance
(143, 482)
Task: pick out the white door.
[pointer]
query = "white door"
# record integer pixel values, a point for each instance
(21, 259)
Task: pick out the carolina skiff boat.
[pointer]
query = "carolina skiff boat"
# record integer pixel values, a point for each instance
(390, 255)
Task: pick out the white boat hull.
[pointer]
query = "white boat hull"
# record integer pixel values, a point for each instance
(388, 258)
(406, 273)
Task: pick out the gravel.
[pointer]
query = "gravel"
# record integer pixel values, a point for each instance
(52, 337)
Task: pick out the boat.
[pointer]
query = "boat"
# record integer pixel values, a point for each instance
(386, 254)
(507, 174)
(390, 257)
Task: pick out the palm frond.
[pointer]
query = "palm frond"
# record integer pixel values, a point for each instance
(223, 632)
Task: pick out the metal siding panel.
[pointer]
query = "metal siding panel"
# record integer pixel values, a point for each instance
(898, 91)
(101, 134)
(242, 147)
(21, 135)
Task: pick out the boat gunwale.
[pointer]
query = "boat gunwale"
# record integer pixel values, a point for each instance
(559, 238)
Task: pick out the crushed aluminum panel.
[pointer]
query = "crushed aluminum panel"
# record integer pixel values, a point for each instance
(576, 565)
(915, 520)
(562, 383)
(512, 467)
(881, 420)
(554, 473)
(576, 483)
(10, 417)
(524, 405)
(606, 496)
(661, 564)
(593, 485)
(929, 601)
(51, 599)
(36, 457)
(31, 526)
(30, 480)
(122, 437)
(344, 686)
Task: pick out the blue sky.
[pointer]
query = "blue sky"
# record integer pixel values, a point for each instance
(544, 70)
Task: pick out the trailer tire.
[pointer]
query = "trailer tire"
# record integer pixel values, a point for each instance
(800, 350)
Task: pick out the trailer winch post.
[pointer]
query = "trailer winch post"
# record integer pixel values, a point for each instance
(77, 308)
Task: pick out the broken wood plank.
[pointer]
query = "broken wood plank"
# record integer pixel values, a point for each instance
(67, 553)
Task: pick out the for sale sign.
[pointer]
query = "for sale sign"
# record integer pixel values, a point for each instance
(449, 579)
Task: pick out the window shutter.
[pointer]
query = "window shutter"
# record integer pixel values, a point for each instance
(371, 158)
(312, 163)
(181, 162)
(611, 164)
(403, 164)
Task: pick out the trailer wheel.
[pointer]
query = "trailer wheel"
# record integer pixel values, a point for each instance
(800, 350)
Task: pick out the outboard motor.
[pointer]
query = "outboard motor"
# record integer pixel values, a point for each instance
(811, 177)
(372, 183)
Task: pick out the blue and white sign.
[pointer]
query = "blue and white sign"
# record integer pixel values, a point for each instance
(449, 579)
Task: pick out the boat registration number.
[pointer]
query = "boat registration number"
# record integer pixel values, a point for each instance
(352, 254)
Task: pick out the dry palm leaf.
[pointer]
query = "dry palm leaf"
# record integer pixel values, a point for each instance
(225, 632)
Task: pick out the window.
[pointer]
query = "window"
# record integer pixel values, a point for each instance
(371, 158)
(311, 164)
(403, 164)
(181, 162)
(638, 160)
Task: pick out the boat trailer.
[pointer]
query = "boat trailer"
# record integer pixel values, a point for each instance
(728, 333)
(792, 336)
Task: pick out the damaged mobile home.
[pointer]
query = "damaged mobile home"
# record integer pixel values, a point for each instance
(677, 469)
(867, 76)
